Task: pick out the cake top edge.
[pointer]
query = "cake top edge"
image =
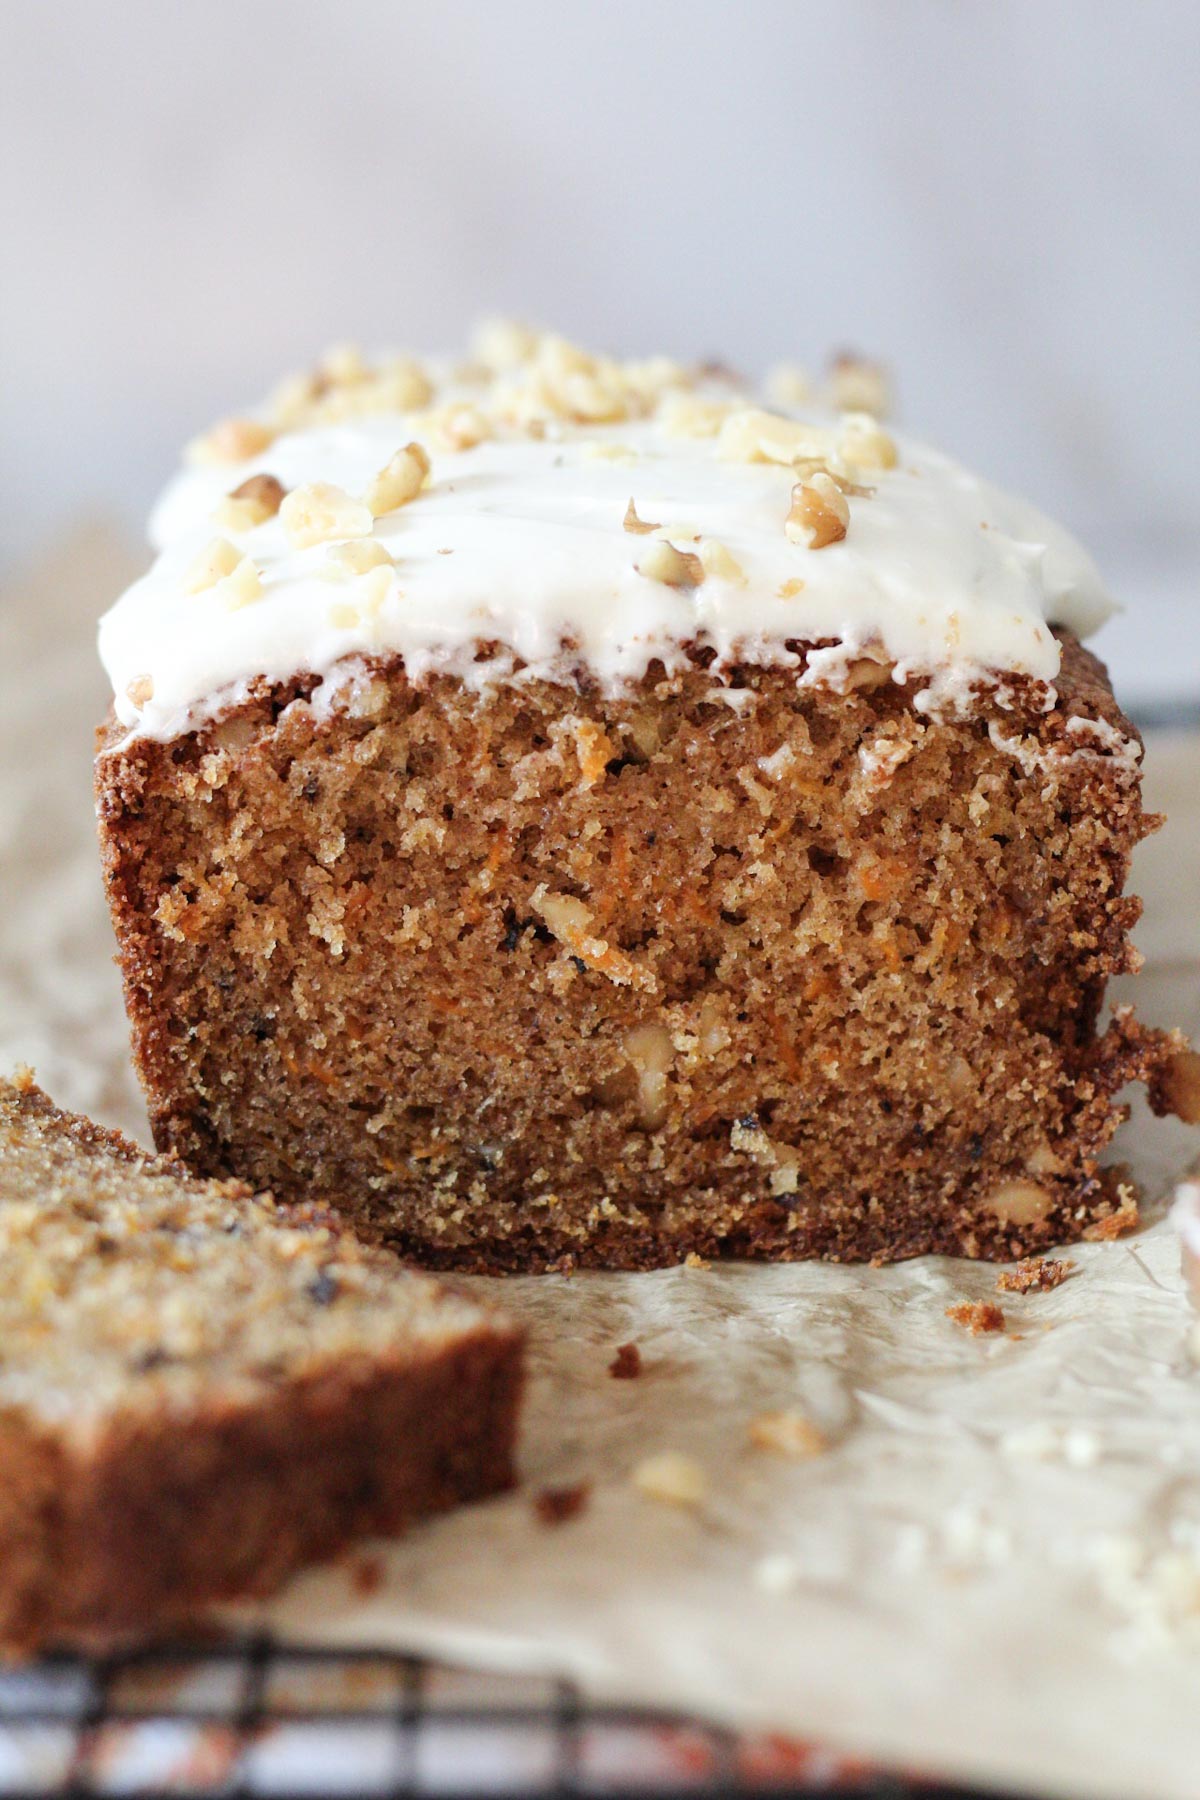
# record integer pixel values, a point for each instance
(535, 509)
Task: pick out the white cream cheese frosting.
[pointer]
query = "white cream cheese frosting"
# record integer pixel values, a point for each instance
(520, 542)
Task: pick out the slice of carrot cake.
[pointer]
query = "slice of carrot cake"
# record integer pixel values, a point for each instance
(562, 810)
(200, 1391)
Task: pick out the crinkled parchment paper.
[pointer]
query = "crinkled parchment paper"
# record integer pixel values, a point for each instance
(993, 1573)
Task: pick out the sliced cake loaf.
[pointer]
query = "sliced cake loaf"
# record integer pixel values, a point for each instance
(201, 1391)
(571, 814)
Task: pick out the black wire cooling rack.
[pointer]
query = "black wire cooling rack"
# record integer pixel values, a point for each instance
(252, 1718)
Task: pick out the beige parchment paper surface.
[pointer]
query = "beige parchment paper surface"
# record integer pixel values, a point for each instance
(994, 1571)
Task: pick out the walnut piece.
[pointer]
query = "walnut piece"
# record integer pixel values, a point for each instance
(140, 691)
(858, 385)
(399, 481)
(217, 559)
(864, 444)
(819, 513)
(502, 344)
(661, 561)
(454, 427)
(319, 512)
(719, 562)
(1019, 1202)
(240, 588)
(753, 435)
(357, 557)
(631, 522)
(688, 416)
(230, 441)
(651, 1054)
(265, 490)
(787, 384)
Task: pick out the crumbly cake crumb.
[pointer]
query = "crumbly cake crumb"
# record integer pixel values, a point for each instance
(1034, 1275)
(977, 1316)
(626, 1365)
(556, 1505)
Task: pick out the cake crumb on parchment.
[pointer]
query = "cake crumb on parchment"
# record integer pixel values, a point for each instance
(1034, 1275)
(977, 1316)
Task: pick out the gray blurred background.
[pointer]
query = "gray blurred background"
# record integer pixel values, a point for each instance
(1000, 199)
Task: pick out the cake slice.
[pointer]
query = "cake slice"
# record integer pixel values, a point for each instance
(573, 814)
(200, 1391)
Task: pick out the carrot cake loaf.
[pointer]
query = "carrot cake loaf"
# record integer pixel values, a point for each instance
(569, 811)
(201, 1391)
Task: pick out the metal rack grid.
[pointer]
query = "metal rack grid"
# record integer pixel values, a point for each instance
(249, 1718)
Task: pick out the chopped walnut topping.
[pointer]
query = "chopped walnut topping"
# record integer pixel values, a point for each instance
(501, 344)
(788, 385)
(140, 691)
(819, 513)
(231, 441)
(631, 522)
(399, 385)
(789, 589)
(858, 385)
(672, 1477)
(555, 1505)
(399, 481)
(343, 387)
(787, 1434)
(720, 562)
(242, 587)
(454, 427)
(240, 515)
(626, 1365)
(342, 365)
(661, 561)
(319, 511)
(689, 416)
(753, 435)
(217, 559)
(1033, 1275)
(257, 499)
(864, 444)
(357, 557)
(977, 1316)
(290, 401)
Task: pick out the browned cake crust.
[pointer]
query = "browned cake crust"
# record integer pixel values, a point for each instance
(200, 1393)
(548, 978)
